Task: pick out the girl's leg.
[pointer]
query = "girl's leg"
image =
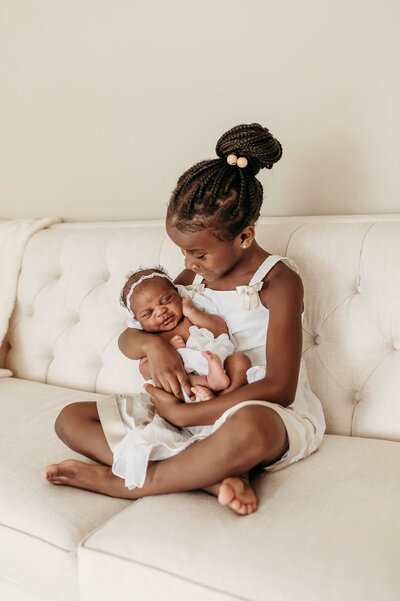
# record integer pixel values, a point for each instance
(78, 425)
(253, 436)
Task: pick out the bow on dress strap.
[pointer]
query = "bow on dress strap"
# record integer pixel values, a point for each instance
(195, 287)
(250, 295)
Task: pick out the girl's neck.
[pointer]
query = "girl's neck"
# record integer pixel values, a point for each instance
(243, 271)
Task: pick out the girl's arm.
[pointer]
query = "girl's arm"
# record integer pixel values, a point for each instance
(164, 363)
(284, 298)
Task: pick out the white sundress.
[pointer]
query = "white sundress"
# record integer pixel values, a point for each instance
(247, 320)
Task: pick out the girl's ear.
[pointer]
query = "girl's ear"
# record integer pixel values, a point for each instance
(246, 237)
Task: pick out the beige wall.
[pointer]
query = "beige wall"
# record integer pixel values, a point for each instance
(104, 103)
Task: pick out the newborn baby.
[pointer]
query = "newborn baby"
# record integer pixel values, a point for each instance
(156, 305)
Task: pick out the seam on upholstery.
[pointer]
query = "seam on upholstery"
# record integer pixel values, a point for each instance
(361, 250)
(307, 332)
(337, 307)
(156, 569)
(291, 236)
(37, 538)
(364, 383)
(329, 374)
(28, 590)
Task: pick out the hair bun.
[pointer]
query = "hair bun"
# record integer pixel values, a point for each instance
(254, 142)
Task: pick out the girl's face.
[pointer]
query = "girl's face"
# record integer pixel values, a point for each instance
(156, 305)
(204, 253)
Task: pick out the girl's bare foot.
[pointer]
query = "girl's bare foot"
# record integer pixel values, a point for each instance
(203, 393)
(236, 493)
(79, 474)
(217, 378)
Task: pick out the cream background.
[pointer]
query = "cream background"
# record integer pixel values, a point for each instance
(104, 104)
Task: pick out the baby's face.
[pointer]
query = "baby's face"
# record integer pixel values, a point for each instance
(156, 305)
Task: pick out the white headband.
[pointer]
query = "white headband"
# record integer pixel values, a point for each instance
(155, 274)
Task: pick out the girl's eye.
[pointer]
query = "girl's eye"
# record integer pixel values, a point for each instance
(165, 300)
(146, 315)
(200, 257)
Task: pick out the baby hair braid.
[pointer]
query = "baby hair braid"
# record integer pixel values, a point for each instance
(222, 196)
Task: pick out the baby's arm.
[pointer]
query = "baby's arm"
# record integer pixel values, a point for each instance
(214, 323)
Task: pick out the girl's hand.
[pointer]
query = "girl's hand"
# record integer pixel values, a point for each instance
(166, 369)
(167, 405)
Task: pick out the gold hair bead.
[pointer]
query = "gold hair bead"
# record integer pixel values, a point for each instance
(232, 159)
(242, 162)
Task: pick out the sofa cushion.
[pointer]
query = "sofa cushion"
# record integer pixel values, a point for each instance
(326, 528)
(40, 524)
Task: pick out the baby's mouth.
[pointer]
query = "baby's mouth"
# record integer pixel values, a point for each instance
(168, 320)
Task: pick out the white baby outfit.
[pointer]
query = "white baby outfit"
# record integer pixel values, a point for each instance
(247, 320)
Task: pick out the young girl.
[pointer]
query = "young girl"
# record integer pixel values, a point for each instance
(269, 423)
(179, 316)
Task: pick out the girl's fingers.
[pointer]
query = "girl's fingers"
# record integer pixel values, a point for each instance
(185, 384)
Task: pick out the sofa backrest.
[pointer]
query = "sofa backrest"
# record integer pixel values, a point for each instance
(67, 318)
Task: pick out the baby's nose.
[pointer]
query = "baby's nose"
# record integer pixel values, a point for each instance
(160, 310)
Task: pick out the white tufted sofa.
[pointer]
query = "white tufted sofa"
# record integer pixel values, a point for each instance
(327, 529)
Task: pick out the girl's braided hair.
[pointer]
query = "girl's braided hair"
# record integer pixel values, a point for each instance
(213, 194)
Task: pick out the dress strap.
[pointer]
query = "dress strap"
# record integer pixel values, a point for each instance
(268, 264)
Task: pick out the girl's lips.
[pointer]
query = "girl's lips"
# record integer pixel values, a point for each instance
(166, 321)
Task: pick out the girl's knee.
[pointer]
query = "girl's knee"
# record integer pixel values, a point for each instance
(258, 431)
(71, 416)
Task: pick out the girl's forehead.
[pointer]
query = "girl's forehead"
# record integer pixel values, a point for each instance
(199, 240)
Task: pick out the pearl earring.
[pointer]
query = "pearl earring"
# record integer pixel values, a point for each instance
(244, 245)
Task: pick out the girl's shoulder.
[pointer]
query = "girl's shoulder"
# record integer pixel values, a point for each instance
(185, 278)
(282, 285)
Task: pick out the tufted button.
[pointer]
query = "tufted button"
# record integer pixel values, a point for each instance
(29, 312)
(359, 289)
(357, 397)
(75, 318)
(106, 276)
(318, 339)
(396, 345)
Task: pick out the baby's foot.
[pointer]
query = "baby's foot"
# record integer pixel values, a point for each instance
(202, 392)
(79, 474)
(236, 493)
(217, 378)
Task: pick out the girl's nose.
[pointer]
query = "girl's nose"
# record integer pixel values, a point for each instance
(189, 264)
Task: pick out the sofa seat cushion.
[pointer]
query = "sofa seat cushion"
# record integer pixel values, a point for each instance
(41, 525)
(326, 528)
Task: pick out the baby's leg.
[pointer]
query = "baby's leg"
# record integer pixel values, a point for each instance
(199, 387)
(236, 366)
(216, 379)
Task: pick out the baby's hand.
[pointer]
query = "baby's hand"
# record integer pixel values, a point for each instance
(177, 342)
(187, 306)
